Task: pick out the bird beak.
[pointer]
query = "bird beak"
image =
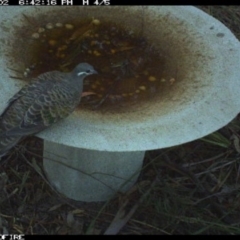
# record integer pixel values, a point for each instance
(94, 72)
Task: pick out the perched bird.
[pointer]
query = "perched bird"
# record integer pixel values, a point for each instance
(47, 99)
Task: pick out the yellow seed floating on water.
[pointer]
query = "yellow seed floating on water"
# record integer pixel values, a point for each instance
(63, 47)
(163, 80)
(59, 24)
(35, 35)
(40, 30)
(90, 51)
(145, 72)
(96, 22)
(113, 51)
(137, 91)
(142, 88)
(49, 26)
(62, 56)
(52, 42)
(96, 53)
(69, 26)
(124, 94)
(152, 79)
(130, 94)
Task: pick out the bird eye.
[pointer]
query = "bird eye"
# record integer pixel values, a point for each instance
(88, 71)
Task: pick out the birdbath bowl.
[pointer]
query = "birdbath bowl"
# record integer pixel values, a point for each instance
(91, 155)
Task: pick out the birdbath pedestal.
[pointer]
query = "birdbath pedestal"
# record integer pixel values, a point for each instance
(90, 175)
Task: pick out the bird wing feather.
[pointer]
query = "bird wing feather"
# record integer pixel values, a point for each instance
(42, 103)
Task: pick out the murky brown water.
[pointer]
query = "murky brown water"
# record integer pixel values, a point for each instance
(130, 69)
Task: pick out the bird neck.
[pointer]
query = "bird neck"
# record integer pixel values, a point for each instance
(77, 81)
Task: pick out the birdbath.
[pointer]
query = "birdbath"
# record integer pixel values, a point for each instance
(90, 156)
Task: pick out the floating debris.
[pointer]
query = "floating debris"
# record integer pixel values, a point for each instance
(49, 26)
(96, 21)
(172, 80)
(29, 70)
(52, 42)
(69, 26)
(113, 51)
(26, 72)
(35, 35)
(58, 24)
(152, 79)
(96, 53)
(81, 33)
(41, 30)
(143, 88)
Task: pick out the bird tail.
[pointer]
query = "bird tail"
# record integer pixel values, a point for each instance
(7, 142)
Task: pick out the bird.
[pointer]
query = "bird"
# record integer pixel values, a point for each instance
(46, 100)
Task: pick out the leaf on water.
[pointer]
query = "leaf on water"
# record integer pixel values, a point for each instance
(82, 32)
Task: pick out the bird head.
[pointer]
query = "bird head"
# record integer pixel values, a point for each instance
(83, 70)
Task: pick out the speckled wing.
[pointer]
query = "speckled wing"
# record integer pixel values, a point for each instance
(45, 101)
